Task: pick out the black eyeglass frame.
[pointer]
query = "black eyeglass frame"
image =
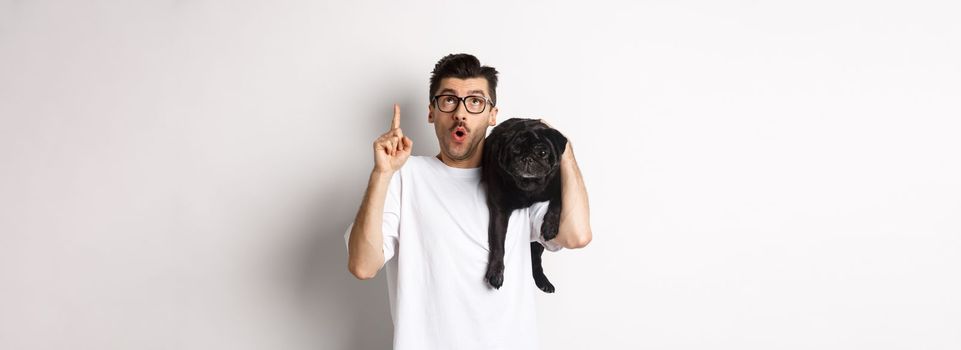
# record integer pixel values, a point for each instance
(463, 100)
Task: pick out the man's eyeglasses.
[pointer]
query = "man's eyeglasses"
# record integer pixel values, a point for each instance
(474, 104)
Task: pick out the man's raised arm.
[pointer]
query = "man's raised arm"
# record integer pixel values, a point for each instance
(366, 244)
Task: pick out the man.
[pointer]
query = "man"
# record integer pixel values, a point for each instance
(427, 216)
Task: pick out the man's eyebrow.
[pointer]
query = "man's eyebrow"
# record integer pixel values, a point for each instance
(449, 90)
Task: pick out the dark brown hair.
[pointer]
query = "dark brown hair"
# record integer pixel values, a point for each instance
(462, 66)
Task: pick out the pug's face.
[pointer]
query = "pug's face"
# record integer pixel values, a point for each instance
(532, 157)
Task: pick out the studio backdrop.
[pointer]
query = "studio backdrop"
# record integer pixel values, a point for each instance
(761, 175)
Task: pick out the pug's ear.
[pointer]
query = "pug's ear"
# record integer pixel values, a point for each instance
(558, 140)
(491, 154)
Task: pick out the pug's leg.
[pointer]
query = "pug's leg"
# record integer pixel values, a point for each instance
(539, 278)
(497, 232)
(552, 220)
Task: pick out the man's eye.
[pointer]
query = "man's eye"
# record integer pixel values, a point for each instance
(449, 100)
(474, 101)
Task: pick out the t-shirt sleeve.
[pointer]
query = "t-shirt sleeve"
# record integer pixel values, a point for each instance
(537, 211)
(391, 222)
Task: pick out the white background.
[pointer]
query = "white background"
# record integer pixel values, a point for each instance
(762, 175)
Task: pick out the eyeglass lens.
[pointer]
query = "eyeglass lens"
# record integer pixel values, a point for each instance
(448, 103)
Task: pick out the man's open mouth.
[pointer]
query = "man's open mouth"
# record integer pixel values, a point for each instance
(459, 134)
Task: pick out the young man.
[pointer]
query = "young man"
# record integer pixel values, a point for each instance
(427, 218)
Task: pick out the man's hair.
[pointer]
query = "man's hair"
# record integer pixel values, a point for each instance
(462, 66)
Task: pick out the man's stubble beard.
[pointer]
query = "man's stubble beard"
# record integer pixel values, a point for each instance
(471, 148)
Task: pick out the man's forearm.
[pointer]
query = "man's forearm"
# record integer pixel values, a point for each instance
(366, 243)
(575, 225)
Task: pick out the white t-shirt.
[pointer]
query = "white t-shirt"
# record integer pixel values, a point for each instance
(436, 252)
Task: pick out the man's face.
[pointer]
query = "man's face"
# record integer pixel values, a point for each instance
(461, 133)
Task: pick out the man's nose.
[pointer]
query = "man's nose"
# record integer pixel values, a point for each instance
(461, 112)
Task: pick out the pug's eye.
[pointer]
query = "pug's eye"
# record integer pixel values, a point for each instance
(542, 153)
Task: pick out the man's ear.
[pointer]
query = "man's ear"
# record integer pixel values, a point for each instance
(430, 114)
(492, 119)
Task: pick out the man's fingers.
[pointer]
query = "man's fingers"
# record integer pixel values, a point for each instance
(394, 145)
(401, 143)
(393, 140)
(395, 123)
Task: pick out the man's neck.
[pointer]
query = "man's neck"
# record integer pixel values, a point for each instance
(474, 162)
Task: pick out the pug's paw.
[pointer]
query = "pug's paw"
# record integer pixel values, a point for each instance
(549, 229)
(543, 283)
(495, 275)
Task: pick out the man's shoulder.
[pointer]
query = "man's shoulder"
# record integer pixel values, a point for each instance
(417, 163)
(419, 158)
(415, 166)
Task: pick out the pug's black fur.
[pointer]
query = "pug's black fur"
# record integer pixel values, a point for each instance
(521, 166)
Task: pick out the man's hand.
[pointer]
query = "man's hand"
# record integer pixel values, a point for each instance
(392, 149)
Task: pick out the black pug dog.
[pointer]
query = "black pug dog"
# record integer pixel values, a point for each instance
(521, 166)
